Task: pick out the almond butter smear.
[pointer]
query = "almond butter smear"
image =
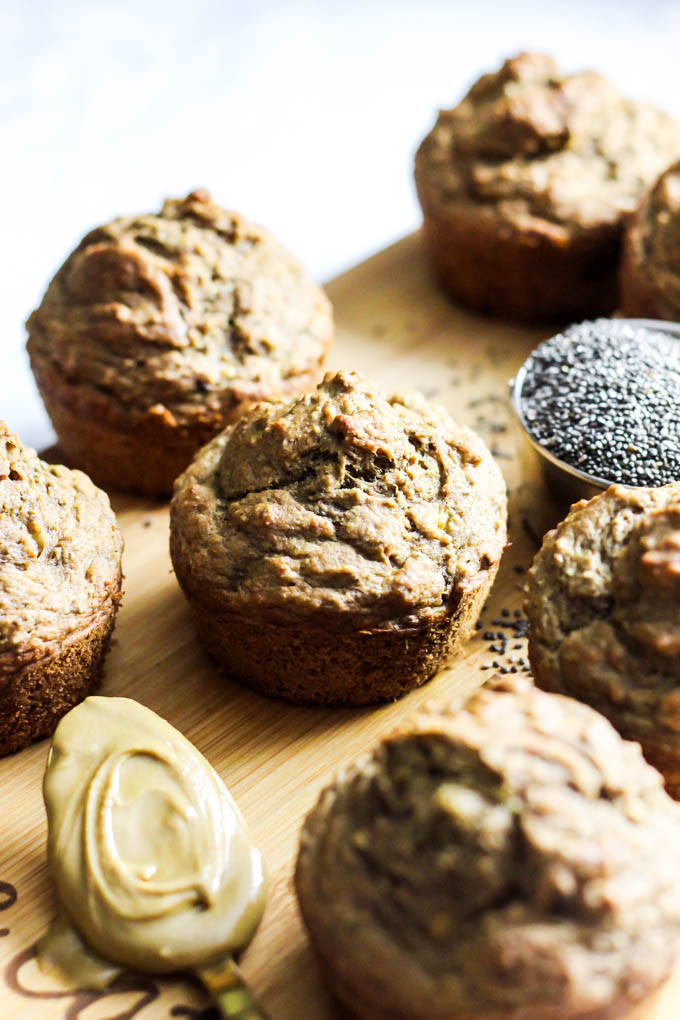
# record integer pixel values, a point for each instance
(150, 856)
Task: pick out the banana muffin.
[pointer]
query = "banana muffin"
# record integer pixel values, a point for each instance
(525, 186)
(159, 330)
(650, 266)
(337, 548)
(509, 859)
(60, 580)
(603, 605)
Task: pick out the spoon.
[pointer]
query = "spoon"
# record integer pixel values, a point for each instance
(153, 865)
(229, 990)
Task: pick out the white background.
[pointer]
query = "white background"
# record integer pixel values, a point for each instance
(303, 116)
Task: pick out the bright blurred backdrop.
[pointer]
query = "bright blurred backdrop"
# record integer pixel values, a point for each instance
(303, 116)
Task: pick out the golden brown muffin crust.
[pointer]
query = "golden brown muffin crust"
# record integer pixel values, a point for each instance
(540, 153)
(509, 858)
(604, 610)
(342, 505)
(60, 553)
(33, 700)
(60, 581)
(650, 271)
(181, 315)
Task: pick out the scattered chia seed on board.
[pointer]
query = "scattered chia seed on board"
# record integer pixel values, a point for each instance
(512, 627)
(488, 409)
(604, 397)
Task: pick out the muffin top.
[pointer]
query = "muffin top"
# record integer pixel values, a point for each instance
(192, 309)
(512, 857)
(60, 553)
(653, 240)
(544, 153)
(604, 606)
(342, 504)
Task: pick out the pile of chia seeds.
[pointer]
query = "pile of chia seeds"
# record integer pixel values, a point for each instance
(604, 397)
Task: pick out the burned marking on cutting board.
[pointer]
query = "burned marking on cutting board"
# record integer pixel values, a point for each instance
(142, 990)
(146, 990)
(8, 897)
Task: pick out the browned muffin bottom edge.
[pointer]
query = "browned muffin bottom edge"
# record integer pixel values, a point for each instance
(531, 279)
(34, 699)
(307, 664)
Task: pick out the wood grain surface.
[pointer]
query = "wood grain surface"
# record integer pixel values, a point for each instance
(396, 328)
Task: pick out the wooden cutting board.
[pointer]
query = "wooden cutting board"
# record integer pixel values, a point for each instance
(396, 328)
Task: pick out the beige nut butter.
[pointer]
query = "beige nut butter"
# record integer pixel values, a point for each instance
(151, 858)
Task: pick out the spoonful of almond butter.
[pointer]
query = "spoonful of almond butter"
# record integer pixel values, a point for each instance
(152, 862)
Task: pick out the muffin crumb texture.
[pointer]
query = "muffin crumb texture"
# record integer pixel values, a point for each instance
(546, 151)
(165, 312)
(507, 858)
(604, 610)
(343, 510)
(60, 578)
(159, 329)
(650, 268)
(526, 183)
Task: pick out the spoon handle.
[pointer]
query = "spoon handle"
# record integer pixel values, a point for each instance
(229, 991)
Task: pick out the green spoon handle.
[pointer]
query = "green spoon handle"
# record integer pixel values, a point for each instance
(229, 991)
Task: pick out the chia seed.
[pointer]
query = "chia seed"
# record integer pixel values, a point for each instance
(604, 397)
(513, 625)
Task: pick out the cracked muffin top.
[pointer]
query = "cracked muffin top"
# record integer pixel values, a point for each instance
(192, 309)
(653, 246)
(510, 857)
(604, 607)
(540, 151)
(342, 504)
(60, 553)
